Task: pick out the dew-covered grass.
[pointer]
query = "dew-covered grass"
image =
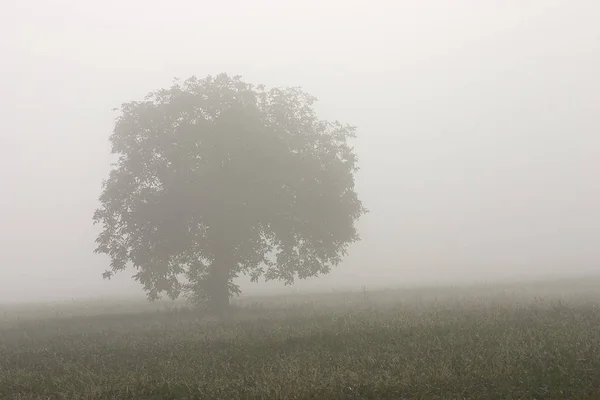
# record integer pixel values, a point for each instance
(497, 342)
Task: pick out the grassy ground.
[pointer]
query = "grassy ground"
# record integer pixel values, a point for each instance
(537, 341)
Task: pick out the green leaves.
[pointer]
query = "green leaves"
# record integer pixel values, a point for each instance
(217, 168)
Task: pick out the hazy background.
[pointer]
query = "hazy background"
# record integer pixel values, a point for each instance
(478, 126)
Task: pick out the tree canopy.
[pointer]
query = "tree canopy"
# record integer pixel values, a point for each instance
(217, 177)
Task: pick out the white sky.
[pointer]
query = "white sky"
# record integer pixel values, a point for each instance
(478, 126)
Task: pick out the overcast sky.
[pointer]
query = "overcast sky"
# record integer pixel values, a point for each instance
(478, 124)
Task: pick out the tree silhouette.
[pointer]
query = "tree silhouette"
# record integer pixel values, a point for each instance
(217, 177)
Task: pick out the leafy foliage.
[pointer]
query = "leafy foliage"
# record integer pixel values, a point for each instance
(217, 177)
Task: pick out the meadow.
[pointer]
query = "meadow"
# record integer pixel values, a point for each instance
(526, 341)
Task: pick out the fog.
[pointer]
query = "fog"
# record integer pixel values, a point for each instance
(478, 127)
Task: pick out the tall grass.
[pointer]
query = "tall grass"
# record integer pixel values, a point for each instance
(481, 343)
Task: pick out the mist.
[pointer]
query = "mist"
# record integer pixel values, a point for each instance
(477, 128)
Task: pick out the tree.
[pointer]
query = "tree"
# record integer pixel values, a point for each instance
(217, 177)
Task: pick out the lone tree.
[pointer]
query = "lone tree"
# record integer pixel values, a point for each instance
(217, 177)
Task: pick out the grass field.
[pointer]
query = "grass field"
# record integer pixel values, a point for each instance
(530, 341)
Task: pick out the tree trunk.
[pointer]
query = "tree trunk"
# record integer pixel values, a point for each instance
(219, 287)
